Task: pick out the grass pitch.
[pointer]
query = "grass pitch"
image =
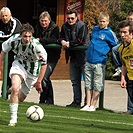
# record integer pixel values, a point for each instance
(59, 119)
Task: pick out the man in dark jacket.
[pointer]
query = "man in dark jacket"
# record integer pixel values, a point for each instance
(74, 33)
(47, 32)
(8, 26)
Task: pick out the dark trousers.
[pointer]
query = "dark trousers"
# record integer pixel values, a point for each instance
(46, 96)
(130, 89)
(76, 71)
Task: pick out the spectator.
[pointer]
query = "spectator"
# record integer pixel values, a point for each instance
(28, 66)
(115, 53)
(8, 26)
(129, 103)
(126, 52)
(74, 33)
(103, 38)
(118, 63)
(47, 32)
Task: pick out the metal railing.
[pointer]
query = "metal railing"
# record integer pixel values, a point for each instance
(54, 46)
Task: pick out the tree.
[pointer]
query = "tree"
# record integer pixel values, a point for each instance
(117, 10)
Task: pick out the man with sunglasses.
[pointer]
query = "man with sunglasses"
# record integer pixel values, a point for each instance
(74, 33)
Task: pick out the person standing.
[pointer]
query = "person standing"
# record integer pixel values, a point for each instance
(74, 33)
(118, 63)
(102, 40)
(126, 52)
(27, 68)
(47, 32)
(8, 26)
(115, 53)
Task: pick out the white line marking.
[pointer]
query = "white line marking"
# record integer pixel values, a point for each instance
(76, 118)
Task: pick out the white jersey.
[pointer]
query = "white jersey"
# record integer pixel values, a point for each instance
(31, 56)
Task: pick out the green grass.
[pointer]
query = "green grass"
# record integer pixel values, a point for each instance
(59, 119)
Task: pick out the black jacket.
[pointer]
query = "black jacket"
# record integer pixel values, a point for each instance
(9, 29)
(77, 35)
(49, 36)
(12, 27)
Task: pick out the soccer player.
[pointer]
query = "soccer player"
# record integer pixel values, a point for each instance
(126, 52)
(28, 68)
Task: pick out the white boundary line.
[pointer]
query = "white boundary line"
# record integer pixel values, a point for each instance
(76, 118)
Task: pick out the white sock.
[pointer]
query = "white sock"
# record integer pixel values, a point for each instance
(13, 112)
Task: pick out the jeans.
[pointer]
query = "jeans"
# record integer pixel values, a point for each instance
(116, 56)
(129, 105)
(76, 71)
(47, 95)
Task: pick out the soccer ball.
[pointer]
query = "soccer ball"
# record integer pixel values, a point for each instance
(35, 113)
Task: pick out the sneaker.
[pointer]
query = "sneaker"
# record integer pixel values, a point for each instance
(91, 108)
(118, 72)
(85, 108)
(12, 124)
(74, 104)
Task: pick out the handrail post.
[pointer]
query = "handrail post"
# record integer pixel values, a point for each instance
(101, 99)
(4, 84)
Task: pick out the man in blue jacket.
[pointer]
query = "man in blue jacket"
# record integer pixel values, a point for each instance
(103, 38)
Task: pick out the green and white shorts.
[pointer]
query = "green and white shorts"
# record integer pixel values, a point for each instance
(28, 79)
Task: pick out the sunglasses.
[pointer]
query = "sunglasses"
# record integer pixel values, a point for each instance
(70, 18)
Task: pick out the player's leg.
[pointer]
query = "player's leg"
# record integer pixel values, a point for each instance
(17, 74)
(21, 96)
(16, 82)
(26, 87)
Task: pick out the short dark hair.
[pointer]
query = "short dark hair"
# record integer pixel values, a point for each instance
(126, 23)
(71, 11)
(26, 28)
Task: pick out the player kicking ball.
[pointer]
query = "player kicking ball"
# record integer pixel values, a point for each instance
(28, 68)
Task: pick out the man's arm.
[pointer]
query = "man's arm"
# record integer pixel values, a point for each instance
(123, 76)
(2, 56)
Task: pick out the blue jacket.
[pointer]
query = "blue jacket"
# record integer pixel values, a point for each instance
(101, 42)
